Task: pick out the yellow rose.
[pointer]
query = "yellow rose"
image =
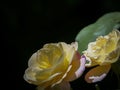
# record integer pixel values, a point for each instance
(103, 52)
(54, 64)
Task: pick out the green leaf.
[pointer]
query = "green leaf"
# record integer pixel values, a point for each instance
(109, 17)
(102, 26)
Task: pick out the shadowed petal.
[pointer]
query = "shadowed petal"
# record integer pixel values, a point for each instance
(81, 69)
(97, 74)
(78, 67)
(61, 86)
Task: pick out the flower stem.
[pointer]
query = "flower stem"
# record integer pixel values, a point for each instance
(97, 87)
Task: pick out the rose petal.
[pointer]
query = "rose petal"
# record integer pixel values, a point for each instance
(97, 74)
(90, 62)
(75, 64)
(78, 67)
(61, 86)
(69, 50)
(81, 69)
(40, 88)
(105, 50)
(50, 65)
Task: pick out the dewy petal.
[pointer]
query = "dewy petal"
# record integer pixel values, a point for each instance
(97, 74)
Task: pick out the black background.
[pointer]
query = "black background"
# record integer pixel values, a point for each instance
(28, 25)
